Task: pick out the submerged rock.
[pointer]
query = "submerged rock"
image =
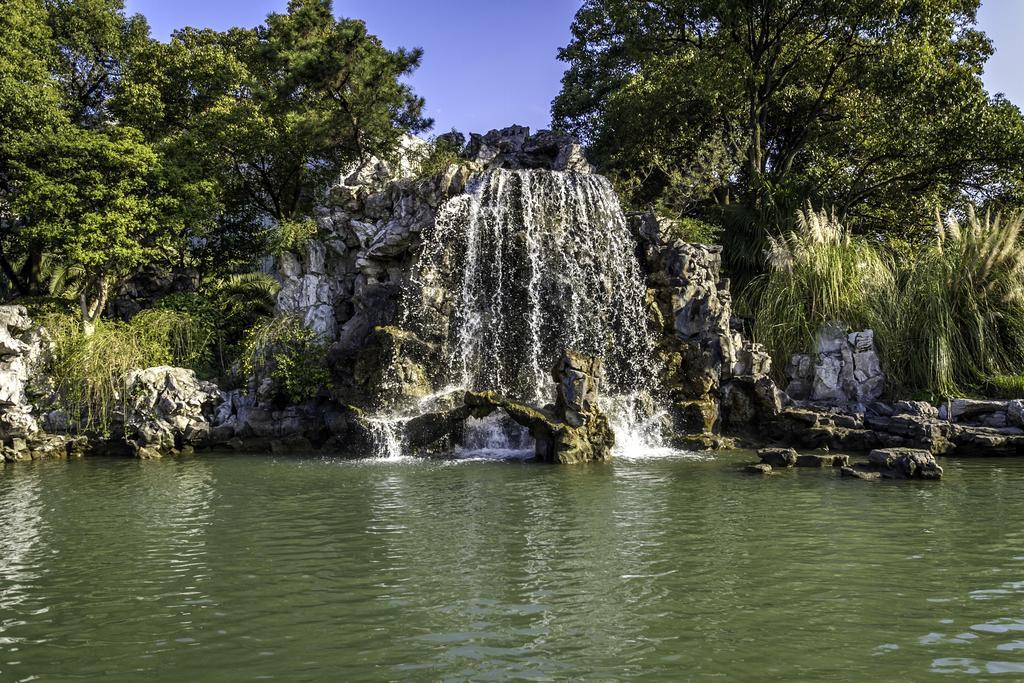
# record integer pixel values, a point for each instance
(858, 473)
(759, 468)
(817, 460)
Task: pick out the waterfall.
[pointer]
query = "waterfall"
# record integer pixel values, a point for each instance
(523, 265)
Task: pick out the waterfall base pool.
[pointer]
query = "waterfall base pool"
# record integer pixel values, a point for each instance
(243, 568)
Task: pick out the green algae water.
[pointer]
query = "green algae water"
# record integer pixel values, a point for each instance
(257, 568)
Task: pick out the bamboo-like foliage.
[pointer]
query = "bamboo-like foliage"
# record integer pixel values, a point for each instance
(959, 319)
(816, 274)
(90, 372)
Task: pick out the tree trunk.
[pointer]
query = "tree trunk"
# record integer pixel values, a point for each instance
(92, 308)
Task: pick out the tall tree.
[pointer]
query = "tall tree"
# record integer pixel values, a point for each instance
(255, 123)
(875, 107)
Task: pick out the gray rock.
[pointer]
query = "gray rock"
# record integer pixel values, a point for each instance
(815, 460)
(1015, 412)
(966, 408)
(778, 457)
(759, 468)
(856, 473)
(167, 408)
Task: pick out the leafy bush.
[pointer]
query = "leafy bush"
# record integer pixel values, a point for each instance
(291, 355)
(959, 318)
(693, 230)
(229, 308)
(817, 274)
(89, 371)
(435, 157)
(293, 235)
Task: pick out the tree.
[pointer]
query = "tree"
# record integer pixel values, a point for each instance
(29, 111)
(94, 198)
(254, 124)
(78, 186)
(743, 110)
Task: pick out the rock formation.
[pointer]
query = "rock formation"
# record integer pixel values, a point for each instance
(713, 378)
(845, 370)
(168, 411)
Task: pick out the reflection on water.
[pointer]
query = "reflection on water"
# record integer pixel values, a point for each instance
(225, 569)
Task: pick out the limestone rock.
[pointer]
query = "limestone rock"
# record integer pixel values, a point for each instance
(577, 386)
(1015, 412)
(905, 463)
(778, 457)
(857, 473)
(816, 460)
(845, 370)
(556, 441)
(167, 408)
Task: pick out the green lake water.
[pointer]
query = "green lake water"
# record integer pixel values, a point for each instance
(236, 568)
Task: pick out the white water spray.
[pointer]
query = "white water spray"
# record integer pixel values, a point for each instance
(524, 265)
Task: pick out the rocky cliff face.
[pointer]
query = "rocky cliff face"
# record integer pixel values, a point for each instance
(714, 377)
(348, 284)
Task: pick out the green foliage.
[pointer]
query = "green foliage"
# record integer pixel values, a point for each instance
(958, 319)
(1004, 386)
(294, 235)
(90, 371)
(435, 157)
(227, 309)
(118, 151)
(689, 229)
(949, 319)
(291, 355)
(739, 112)
(816, 275)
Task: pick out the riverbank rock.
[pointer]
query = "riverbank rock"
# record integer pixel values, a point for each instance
(556, 441)
(819, 460)
(778, 457)
(859, 473)
(168, 410)
(24, 347)
(844, 370)
(905, 463)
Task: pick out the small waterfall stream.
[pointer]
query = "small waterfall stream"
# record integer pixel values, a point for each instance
(523, 265)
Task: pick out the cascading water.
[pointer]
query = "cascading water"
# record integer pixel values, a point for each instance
(524, 265)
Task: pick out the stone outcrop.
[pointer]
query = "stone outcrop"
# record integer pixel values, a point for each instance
(557, 441)
(514, 148)
(23, 350)
(714, 378)
(902, 424)
(168, 411)
(845, 370)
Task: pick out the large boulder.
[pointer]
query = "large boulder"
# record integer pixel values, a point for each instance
(845, 370)
(168, 410)
(905, 463)
(23, 350)
(555, 440)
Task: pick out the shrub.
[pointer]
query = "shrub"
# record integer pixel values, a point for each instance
(291, 355)
(293, 235)
(229, 308)
(90, 371)
(693, 230)
(435, 157)
(959, 319)
(817, 274)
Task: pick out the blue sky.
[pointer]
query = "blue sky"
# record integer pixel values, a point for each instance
(491, 63)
